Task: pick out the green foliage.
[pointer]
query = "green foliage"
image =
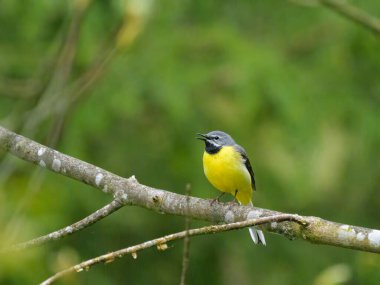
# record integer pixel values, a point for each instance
(297, 87)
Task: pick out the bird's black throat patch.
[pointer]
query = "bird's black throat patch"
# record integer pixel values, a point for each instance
(212, 148)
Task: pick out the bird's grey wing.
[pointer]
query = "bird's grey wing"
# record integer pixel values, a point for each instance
(247, 164)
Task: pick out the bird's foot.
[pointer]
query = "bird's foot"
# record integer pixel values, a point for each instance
(213, 201)
(216, 199)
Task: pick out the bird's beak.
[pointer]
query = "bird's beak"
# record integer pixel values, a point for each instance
(202, 137)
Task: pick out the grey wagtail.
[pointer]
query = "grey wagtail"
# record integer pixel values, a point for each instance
(227, 168)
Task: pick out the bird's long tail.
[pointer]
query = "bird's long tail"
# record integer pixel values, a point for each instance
(256, 235)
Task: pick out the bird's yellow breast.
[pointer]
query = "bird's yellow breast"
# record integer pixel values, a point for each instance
(226, 171)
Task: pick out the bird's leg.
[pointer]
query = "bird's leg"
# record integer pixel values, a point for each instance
(217, 198)
(235, 201)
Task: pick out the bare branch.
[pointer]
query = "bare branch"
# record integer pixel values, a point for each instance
(69, 230)
(161, 242)
(131, 192)
(348, 11)
(353, 13)
(186, 241)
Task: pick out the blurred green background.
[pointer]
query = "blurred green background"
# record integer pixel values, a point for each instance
(125, 85)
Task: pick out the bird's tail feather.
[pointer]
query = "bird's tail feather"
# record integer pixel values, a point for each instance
(256, 235)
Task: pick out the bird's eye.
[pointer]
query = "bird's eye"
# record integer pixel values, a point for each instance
(216, 138)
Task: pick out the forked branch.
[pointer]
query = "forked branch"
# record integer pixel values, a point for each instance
(131, 192)
(161, 243)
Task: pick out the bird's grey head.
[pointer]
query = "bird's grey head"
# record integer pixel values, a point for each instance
(215, 140)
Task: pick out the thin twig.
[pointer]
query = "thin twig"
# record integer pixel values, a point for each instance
(348, 11)
(353, 13)
(91, 76)
(186, 240)
(161, 242)
(69, 230)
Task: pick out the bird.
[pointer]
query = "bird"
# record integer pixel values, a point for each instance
(228, 169)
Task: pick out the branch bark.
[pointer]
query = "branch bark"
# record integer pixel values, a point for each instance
(131, 192)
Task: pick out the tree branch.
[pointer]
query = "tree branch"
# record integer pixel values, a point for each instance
(69, 230)
(131, 192)
(186, 242)
(353, 13)
(161, 242)
(348, 11)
